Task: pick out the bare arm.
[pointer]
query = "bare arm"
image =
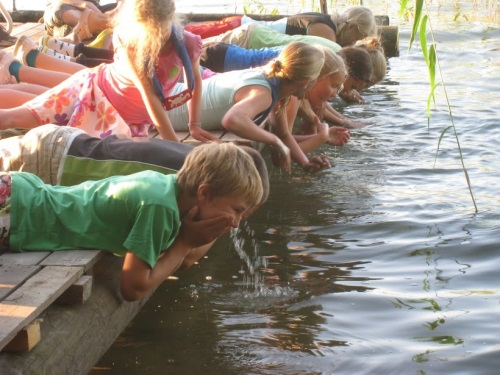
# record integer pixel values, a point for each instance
(281, 128)
(153, 104)
(195, 254)
(138, 278)
(333, 117)
(194, 108)
(249, 102)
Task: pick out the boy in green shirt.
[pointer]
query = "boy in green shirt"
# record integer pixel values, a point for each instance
(157, 222)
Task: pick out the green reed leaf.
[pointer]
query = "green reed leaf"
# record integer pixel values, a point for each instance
(402, 7)
(432, 64)
(416, 21)
(441, 137)
(423, 39)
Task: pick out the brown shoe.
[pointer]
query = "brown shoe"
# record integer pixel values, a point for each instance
(5, 39)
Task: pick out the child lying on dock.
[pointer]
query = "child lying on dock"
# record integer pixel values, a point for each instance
(158, 222)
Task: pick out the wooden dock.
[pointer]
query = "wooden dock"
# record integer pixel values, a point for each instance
(61, 311)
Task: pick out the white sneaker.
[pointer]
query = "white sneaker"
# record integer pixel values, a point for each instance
(24, 45)
(5, 60)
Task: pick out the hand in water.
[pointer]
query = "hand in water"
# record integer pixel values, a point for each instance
(317, 163)
(338, 136)
(282, 158)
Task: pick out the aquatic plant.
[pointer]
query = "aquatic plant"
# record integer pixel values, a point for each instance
(420, 22)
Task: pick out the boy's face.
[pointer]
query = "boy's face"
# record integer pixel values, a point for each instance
(231, 206)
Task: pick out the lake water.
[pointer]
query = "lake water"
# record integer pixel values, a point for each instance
(379, 265)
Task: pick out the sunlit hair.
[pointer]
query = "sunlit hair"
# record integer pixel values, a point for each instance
(358, 63)
(374, 48)
(226, 168)
(360, 16)
(297, 61)
(143, 26)
(333, 63)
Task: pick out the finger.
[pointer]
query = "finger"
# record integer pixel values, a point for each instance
(191, 213)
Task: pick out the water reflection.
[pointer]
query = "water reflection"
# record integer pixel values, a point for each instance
(376, 266)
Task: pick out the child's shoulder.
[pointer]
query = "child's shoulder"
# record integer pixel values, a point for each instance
(192, 39)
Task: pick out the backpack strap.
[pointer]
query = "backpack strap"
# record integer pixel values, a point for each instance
(275, 90)
(177, 38)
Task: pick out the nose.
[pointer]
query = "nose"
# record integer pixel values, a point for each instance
(333, 93)
(236, 221)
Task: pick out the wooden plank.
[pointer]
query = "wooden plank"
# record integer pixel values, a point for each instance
(20, 29)
(13, 276)
(26, 339)
(79, 292)
(190, 140)
(205, 17)
(73, 258)
(182, 135)
(23, 259)
(35, 16)
(230, 137)
(24, 305)
(105, 316)
(25, 15)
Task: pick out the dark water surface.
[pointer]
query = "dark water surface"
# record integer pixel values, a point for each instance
(379, 265)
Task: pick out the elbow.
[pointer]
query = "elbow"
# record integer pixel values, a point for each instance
(227, 122)
(131, 294)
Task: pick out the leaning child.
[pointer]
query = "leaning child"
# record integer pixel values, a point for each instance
(157, 222)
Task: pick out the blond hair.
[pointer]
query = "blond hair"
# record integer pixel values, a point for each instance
(374, 48)
(333, 63)
(226, 168)
(360, 16)
(297, 61)
(143, 27)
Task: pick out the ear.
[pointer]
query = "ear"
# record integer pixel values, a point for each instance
(203, 193)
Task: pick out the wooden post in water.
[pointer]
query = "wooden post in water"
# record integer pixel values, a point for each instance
(324, 8)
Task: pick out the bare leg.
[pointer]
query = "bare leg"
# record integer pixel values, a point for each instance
(13, 98)
(18, 117)
(52, 63)
(41, 77)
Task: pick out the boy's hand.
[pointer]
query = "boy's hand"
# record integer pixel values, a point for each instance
(196, 233)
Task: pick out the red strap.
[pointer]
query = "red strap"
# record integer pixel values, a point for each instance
(177, 100)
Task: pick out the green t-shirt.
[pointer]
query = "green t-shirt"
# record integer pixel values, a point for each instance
(263, 37)
(136, 213)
